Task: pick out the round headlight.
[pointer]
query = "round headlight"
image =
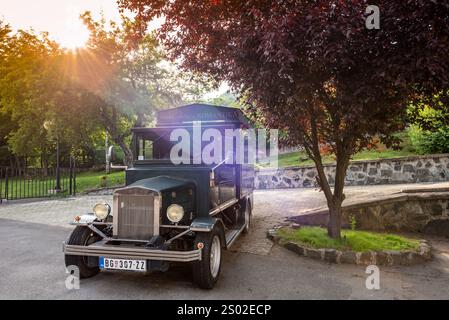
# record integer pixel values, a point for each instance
(102, 210)
(175, 213)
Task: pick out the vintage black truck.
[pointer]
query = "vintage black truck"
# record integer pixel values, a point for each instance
(170, 212)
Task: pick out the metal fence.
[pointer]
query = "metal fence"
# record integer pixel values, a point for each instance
(25, 183)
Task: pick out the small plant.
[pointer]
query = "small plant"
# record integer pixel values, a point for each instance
(352, 222)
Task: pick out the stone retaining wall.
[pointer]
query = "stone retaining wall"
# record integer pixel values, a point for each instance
(426, 212)
(430, 168)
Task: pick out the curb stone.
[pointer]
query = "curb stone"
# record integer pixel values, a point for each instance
(386, 257)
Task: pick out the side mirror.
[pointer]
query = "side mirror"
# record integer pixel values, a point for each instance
(111, 156)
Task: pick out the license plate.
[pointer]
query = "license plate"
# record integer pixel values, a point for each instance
(123, 264)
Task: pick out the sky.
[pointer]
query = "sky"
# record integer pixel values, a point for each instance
(59, 17)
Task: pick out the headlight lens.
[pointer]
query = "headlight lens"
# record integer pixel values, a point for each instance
(102, 210)
(175, 213)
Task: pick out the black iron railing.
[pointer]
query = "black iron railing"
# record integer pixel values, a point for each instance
(24, 183)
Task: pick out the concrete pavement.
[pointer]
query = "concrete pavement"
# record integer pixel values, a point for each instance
(32, 267)
(32, 263)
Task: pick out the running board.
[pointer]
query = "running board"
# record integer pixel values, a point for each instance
(232, 235)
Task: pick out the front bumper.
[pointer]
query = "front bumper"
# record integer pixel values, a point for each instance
(102, 249)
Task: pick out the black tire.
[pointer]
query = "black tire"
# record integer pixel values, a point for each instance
(201, 270)
(82, 236)
(247, 216)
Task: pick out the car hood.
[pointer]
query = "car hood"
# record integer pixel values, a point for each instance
(162, 183)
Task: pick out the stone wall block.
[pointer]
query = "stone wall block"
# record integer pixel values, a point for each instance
(433, 168)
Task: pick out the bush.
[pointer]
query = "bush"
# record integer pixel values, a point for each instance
(428, 142)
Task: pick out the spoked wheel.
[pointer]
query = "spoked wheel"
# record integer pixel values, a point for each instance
(82, 236)
(207, 271)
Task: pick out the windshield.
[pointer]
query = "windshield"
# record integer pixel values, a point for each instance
(153, 147)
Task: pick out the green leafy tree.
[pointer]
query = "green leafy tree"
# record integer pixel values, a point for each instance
(127, 79)
(36, 89)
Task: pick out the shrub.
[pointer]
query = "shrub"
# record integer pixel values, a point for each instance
(427, 142)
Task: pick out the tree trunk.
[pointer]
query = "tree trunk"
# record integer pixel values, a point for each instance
(45, 167)
(334, 199)
(110, 122)
(128, 158)
(140, 120)
(334, 226)
(335, 205)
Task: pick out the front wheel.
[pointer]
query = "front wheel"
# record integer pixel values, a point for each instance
(82, 236)
(207, 271)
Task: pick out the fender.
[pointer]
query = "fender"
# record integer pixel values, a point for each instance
(84, 219)
(206, 224)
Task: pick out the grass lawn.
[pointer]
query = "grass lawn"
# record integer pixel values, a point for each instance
(301, 159)
(358, 241)
(93, 180)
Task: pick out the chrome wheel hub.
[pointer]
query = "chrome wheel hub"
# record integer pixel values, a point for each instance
(215, 256)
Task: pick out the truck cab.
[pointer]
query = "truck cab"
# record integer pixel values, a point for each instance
(187, 198)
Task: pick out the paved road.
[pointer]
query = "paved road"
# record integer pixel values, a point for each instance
(32, 267)
(271, 207)
(32, 264)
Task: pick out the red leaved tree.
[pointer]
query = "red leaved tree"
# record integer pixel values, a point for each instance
(312, 67)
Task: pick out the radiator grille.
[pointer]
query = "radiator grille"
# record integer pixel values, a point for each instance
(134, 217)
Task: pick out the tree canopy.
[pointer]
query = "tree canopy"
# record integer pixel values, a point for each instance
(50, 95)
(312, 68)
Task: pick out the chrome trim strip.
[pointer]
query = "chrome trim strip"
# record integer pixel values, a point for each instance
(126, 240)
(94, 229)
(228, 245)
(174, 226)
(206, 229)
(223, 206)
(137, 187)
(219, 164)
(179, 235)
(115, 217)
(131, 253)
(156, 214)
(86, 224)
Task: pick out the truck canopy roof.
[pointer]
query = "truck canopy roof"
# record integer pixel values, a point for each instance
(207, 114)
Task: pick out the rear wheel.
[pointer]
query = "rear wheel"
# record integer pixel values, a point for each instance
(82, 236)
(207, 271)
(248, 216)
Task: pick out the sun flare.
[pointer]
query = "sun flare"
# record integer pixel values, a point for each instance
(74, 39)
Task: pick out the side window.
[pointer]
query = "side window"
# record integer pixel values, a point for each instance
(145, 149)
(225, 180)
